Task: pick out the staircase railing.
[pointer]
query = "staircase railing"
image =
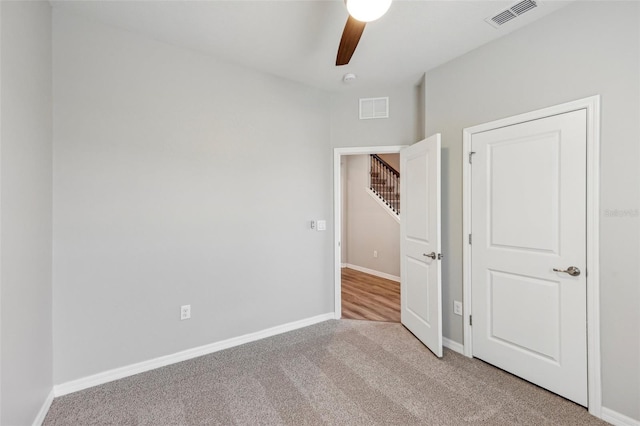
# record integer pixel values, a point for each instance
(385, 183)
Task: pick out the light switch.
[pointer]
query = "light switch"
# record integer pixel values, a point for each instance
(457, 307)
(322, 225)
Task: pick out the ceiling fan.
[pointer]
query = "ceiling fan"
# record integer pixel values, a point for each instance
(360, 12)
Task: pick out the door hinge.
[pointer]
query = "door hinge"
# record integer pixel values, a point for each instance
(470, 319)
(470, 155)
(469, 238)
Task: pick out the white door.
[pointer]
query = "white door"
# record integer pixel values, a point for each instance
(420, 283)
(528, 225)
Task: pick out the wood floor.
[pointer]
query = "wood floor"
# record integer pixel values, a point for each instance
(368, 297)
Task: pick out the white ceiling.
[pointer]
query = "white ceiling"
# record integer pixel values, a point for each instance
(298, 39)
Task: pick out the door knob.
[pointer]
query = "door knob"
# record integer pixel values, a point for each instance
(571, 270)
(431, 255)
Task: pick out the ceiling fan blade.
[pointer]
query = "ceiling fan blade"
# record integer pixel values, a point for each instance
(353, 30)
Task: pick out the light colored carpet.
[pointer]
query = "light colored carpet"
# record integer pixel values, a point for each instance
(345, 372)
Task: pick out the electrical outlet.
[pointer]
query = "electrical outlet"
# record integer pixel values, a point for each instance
(375, 253)
(457, 307)
(185, 312)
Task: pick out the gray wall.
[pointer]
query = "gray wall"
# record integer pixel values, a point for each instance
(180, 180)
(369, 226)
(403, 126)
(585, 49)
(25, 216)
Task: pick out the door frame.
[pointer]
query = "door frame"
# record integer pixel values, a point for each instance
(592, 107)
(337, 209)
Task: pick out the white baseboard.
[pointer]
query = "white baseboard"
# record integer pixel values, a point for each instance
(454, 346)
(343, 265)
(141, 367)
(373, 272)
(44, 409)
(617, 419)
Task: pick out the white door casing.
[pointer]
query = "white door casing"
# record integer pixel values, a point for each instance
(420, 264)
(528, 217)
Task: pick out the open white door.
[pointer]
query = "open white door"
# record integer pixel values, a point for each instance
(420, 276)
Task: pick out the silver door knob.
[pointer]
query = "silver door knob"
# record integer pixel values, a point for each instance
(571, 270)
(431, 255)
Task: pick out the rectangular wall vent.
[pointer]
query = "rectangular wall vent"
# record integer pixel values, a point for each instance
(374, 108)
(514, 11)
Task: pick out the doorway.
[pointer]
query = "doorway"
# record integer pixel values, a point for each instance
(420, 238)
(371, 237)
(531, 205)
(354, 276)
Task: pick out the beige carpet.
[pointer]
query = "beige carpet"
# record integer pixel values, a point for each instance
(344, 372)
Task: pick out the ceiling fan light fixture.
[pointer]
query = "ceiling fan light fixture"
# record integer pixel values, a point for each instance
(367, 10)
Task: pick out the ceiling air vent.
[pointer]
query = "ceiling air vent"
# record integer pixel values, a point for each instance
(374, 108)
(514, 11)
